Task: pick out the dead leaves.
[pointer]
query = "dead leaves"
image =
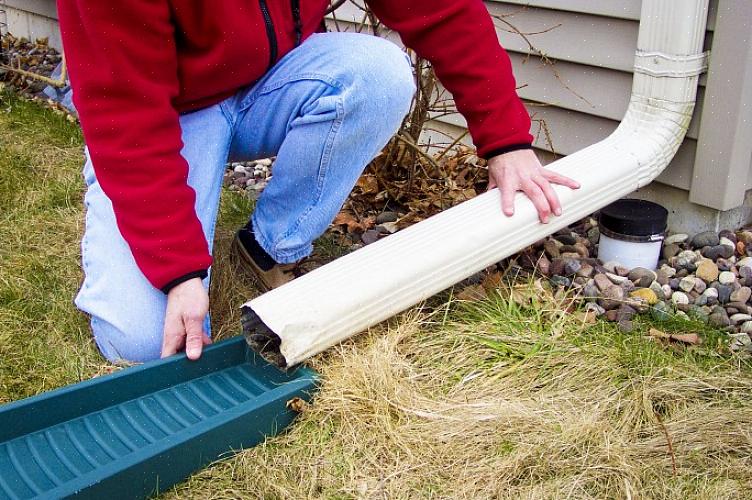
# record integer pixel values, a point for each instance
(367, 184)
(352, 223)
(471, 293)
(416, 185)
(588, 317)
(682, 338)
(27, 65)
(297, 405)
(493, 281)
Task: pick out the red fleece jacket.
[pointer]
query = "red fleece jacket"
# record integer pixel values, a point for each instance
(135, 65)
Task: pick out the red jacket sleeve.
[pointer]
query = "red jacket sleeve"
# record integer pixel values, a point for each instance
(459, 39)
(123, 71)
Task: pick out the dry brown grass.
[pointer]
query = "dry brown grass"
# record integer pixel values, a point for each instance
(494, 401)
(230, 286)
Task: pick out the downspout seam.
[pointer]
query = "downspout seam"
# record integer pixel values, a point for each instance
(670, 65)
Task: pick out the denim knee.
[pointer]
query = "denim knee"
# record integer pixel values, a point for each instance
(391, 70)
(379, 73)
(137, 344)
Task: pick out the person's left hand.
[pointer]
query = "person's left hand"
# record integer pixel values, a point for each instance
(522, 171)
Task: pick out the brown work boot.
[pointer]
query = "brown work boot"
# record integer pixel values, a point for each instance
(266, 277)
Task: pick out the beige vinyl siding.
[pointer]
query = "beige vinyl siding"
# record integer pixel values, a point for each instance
(33, 19)
(724, 161)
(45, 8)
(615, 9)
(584, 95)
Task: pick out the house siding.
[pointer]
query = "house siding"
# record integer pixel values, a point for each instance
(33, 19)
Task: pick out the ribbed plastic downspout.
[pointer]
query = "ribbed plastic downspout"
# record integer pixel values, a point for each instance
(336, 301)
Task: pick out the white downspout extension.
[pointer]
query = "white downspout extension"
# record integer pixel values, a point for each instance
(359, 290)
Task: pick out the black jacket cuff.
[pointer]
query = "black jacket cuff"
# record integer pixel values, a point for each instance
(507, 149)
(195, 274)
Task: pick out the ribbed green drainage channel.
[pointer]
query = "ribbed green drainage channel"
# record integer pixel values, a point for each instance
(143, 429)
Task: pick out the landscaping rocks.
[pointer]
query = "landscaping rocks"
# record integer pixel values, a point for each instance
(679, 298)
(724, 264)
(706, 239)
(661, 312)
(718, 251)
(571, 266)
(705, 278)
(370, 236)
(249, 177)
(642, 277)
(565, 238)
(726, 278)
(728, 239)
(677, 239)
(670, 250)
(594, 307)
(621, 271)
(745, 275)
(719, 317)
(646, 294)
(685, 260)
(602, 282)
(707, 271)
(616, 279)
(590, 291)
(658, 290)
(740, 318)
(552, 248)
(612, 297)
(724, 292)
(557, 280)
(739, 307)
(740, 342)
(34, 56)
(745, 262)
(387, 217)
(687, 283)
(742, 295)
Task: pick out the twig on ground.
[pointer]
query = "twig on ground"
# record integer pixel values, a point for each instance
(668, 442)
(60, 83)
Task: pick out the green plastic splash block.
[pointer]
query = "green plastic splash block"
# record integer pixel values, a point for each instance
(141, 430)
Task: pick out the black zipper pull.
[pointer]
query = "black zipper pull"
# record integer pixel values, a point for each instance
(270, 33)
(295, 7)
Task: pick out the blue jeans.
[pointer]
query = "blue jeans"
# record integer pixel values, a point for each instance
(325, 110)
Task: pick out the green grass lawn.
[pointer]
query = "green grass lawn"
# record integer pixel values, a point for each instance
(475, 399)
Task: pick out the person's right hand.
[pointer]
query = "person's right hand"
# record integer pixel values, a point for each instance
(522, 171)
(187, 307)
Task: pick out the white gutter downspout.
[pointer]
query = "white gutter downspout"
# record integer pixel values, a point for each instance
(359, 290)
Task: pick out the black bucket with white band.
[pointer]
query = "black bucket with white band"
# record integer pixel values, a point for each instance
(632, 233)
